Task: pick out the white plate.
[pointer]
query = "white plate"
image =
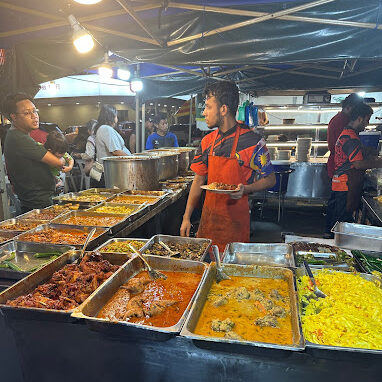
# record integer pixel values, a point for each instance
(206, 187)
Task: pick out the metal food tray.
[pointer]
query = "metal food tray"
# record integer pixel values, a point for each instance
(31, 282)
(24, 256)
(112, 229)
(155, 200)
(271, 254)
(14, 221)
(101, 191)
(146, 193)
(90, 308)
(118, 240)
(98, 238)
(71, 198)
(27, 215)
(301, 271)
(10, 235)
(178, 239)
(139, 209)
(358, 236)
(258, 271)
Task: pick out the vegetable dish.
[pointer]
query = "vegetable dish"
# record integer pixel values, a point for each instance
(134, 199)
(190, 251)
(104, 221)
(123, 246)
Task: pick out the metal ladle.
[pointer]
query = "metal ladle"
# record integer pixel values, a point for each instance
(154, 274)
(90, 235)
(220, 274)
(168, 249)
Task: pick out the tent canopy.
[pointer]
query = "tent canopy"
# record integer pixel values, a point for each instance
(180, 45)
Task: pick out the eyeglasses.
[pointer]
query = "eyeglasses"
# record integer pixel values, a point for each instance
(29, 113)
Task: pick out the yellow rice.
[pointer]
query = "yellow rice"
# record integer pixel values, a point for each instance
(351, 315)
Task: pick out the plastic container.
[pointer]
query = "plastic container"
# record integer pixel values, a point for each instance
(281, 166)
(370, 138)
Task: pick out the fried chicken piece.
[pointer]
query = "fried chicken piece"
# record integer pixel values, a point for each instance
(220, 301)
(134, 308)
(267, 320)
(233, 336)
(278, 311)
(158, 307)
(136, 285)
(222, 326)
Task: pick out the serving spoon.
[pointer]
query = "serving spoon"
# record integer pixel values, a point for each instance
(316, 291)
(90, 235)
(220, 274)
(153, 273)
(168, 249)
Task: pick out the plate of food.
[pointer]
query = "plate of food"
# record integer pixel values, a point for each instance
(220, 188)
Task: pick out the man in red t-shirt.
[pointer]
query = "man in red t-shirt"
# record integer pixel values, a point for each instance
(337, 124)
(348, 155)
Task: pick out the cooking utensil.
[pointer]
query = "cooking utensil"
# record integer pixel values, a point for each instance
(316, 291)
(168, 249)
(154, 274)
(90, 235)
(220, 275)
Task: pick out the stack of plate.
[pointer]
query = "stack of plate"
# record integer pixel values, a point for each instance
(304, 146)
(284, 155)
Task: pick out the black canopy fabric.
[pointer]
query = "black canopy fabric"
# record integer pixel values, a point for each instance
(260, 44)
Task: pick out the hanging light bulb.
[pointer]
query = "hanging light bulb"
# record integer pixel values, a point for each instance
(136, 84)
(87, 2)
(123, 74)
(82, 40)
(105, 70)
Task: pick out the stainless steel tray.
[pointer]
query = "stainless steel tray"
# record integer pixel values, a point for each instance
(90, 308)
(112, 229)
(118, 240)
(98, 238)
(8, 235)
(358, 236)
(31, 282)
(71, 198)
(24, 257)
(139, 209)
(178, 239)
(301, 271)
(272, 254)
(161, 194)
(101, 191)
(155, 200)
(14, 221)
(36, 212)
(257, 271)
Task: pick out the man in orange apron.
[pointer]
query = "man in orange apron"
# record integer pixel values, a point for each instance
(232, 154)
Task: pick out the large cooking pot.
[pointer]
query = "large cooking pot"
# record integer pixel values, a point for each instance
(131, 172)
(168, 162)
(186, 155)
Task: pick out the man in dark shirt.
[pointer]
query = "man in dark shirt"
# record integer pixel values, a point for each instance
(162, 137)
(28, 162)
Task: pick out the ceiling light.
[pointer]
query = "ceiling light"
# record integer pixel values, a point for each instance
(361, 94)
(122, 103)
(77, 103)
(105, 70)
(123, 74)
(136, 85)
(88, 2)
(82, 39)
(49, 104)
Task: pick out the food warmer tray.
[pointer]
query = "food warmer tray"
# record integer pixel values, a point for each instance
(139, 209)
(162, 194)
(14, 221)
(155, 200)
(98, 238)
(24, 256)
(27, 215)
(90, 308)
(31, 282)
(358, 236)
(180, 240)
(118, 240)
(111, 229)
(301, 271)
(271, 254)
(9, 236)
(258, 271)
(101, 191)
(71, 198)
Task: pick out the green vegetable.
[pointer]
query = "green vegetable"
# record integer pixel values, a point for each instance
(13, 266)
(370, 263)
(3, 265)
(42, 255)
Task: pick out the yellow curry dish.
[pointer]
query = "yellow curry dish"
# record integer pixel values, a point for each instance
(350, 315)
(248, 309)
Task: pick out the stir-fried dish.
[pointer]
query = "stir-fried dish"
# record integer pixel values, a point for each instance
(134, 199)
(222, 186)
(70, 286)
(44, 214)
(190, 251)
(91, 198)
(21, 225)
(99, 221)
(115, 209)
(152, 302)
(350, 315)
(248, 308)
(123, 246)
(58, 236)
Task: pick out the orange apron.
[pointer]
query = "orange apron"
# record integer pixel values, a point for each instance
(225, 220)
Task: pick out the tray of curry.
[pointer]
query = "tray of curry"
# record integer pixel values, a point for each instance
(257, 307)
(132, 304)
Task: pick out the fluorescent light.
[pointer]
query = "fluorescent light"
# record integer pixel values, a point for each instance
(136, 85)
(293, 127)
(294, 143)
(291, 110)
(49, 104)
(88, 2)
(77, 103)
(123, 74)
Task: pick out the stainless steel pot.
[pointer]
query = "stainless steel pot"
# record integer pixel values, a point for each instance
(168, 162)
(132, 172)
(186, 155)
